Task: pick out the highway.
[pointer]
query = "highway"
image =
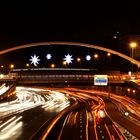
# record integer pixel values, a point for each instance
(68, 114)
(32, 109)
(123, 110)
(88, 120)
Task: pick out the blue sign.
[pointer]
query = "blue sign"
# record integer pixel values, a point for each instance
(101, 80)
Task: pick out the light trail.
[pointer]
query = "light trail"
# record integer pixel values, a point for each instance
(11, 124)
(7, 121)
(59, 138)
(28, 98)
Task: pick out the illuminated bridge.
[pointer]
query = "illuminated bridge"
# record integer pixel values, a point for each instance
(55, 113)
(65, 76)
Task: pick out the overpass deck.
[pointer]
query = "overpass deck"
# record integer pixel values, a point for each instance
(46, 75)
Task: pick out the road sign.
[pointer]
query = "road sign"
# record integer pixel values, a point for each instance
(100, 80)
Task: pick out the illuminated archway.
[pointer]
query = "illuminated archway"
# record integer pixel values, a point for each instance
(72, 43)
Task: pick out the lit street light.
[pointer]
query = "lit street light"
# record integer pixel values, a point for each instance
(64, 63)
(96, 56)
(108, 54)
(12, 66)
(52, 65)
(27, 65)
(2, 66)
(78, 59)
(133, 45)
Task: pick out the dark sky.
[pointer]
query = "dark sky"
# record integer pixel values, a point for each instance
(94, 22)
(82, 21)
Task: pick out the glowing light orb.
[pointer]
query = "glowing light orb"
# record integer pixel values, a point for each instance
(88, 57)
(48, 56)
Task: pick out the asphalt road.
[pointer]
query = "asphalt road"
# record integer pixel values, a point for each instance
(122, 120)
(88, 121)
(68, 114)
(30, 112)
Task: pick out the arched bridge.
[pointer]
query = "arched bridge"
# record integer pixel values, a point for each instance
(74, 44)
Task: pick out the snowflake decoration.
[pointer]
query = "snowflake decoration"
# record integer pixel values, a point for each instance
(68, 59)
(34, 60)
(48, 56)
(88, 57)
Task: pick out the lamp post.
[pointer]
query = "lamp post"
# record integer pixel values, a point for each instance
(52, 65)
(79, 61)
(64, 64)
(96, 56)
(109, 56)
(2, 66)
(27, 65)
(12, 66)
(133, 45)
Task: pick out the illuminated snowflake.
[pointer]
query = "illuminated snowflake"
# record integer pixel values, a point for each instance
(34, 60)
(68, 59)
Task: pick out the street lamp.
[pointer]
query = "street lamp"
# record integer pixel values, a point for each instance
(96, 56)
(109, 56)
(133, 45)
(27, 65)
(2, 66)
(64, 63)
(12, 66)
(78, 59)
(52, 65)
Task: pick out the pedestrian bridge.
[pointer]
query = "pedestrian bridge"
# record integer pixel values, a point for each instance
(65, 76)
(73, 44)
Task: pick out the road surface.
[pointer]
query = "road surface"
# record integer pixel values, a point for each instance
(68, 114)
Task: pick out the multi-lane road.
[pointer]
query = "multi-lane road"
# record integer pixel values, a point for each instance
(32, 109)
(68, 114)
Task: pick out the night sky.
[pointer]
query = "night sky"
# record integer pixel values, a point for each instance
(95, 22)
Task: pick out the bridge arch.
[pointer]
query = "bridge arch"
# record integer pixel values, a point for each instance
(72, 43)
